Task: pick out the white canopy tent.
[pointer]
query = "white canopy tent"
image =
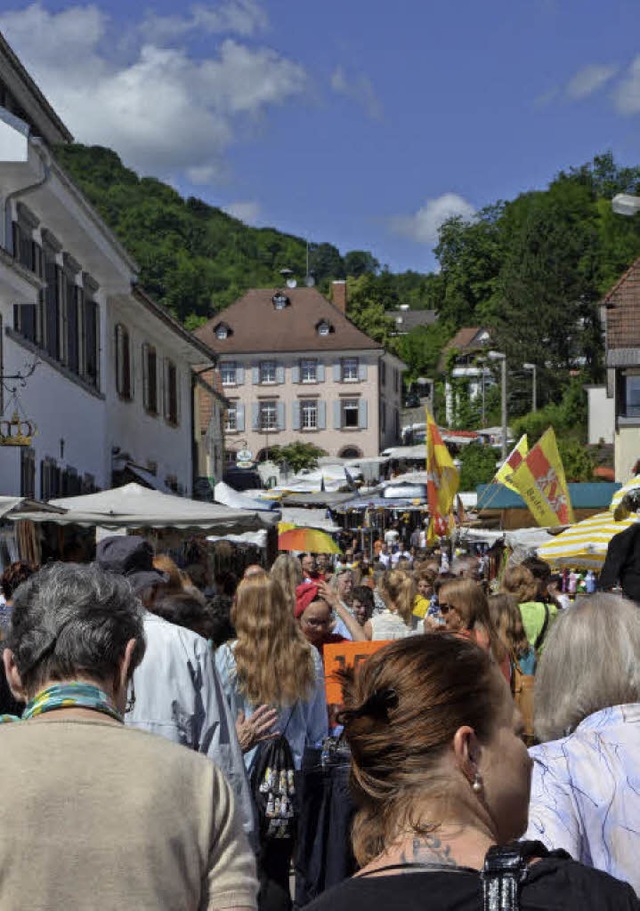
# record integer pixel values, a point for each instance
(134, 506)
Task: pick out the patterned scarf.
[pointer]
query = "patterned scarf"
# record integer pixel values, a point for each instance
(65, 696)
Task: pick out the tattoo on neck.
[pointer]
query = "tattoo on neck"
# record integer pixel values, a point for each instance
(428, 849)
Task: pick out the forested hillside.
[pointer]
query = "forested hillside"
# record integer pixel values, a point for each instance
(532, 269)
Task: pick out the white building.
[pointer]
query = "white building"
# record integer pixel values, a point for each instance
(108, 374)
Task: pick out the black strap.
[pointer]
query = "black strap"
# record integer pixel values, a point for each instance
(542, 633)
(432, 868)
(503, 872)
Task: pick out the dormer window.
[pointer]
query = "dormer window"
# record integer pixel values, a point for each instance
(324, 327)
(222, 331)
(280, 300)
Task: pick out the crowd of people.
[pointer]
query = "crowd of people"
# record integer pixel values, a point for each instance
(156, 733)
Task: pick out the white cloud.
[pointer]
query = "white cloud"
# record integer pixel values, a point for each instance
(626, 95)
(248, 212)
(237, 17)
(358, 88)
(164, 112)
(423, 225)
(588, 80)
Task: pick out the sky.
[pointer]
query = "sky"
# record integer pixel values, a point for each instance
(358, 122)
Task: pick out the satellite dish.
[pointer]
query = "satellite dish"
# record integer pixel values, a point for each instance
(291, 283)
(309, 281)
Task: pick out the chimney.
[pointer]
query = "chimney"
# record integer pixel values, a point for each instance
(339, 295)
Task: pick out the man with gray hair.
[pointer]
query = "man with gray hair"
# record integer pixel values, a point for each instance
(177, 690)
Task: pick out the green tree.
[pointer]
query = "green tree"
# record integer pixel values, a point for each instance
(296, 455)
(366, 309)
(478, 465)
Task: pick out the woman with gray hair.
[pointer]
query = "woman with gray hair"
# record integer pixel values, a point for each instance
(93, 813)
(585, 793)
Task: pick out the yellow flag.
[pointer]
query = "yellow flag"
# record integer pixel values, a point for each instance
(541, 482)
(515, 457)
(443, 479)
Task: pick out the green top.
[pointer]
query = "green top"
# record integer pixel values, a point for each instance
(533, 614)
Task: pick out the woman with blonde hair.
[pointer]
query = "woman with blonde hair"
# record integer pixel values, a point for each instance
(465, 610)
(507, 621)
(394, 622)
(585, 793)
(270, 663)
(537, 616)
(287, 571)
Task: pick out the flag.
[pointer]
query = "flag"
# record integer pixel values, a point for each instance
(515, 457)
(442, 481)
(541, 482)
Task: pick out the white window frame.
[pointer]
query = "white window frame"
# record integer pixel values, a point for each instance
(268, 415)
(309, 370)
(309, 414)
(350, 371)
(232, 378)
(268, 369)
(349, 405)
(231, 418)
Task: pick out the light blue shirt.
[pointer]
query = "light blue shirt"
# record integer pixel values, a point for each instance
(178, 696)
(306, 722)
(585, 793)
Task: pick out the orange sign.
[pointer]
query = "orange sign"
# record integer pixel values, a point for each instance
(342, 655)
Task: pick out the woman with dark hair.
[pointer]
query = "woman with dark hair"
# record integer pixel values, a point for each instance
(441, 780)
(93, 813)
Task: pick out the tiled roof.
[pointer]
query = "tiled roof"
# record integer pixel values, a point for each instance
(406, 320)
(465, 338)
(255, 325)
(623, 310)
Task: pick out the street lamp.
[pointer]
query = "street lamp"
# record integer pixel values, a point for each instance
(534, 399)
(502, 357)
(625, 204)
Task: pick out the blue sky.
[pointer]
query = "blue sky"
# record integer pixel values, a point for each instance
(359, 122)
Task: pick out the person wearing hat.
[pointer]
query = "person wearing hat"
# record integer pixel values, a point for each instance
(176, 689)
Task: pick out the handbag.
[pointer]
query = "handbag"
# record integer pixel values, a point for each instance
(522, 689)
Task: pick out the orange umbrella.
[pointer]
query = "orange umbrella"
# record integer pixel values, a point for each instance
(311, 540)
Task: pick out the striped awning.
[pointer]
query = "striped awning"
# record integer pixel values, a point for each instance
(631, 486)
(584, 545)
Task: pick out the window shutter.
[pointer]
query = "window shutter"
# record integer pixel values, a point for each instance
(337, 372)
(280, 374)
(255, 416)
(239, 375)
(295, 374)
(295, 415)
(240, 417)
(337, 422)
(322, 415)
(362, 414)
(256, 375)
(320, 373)
(281, 417)
(362, 372)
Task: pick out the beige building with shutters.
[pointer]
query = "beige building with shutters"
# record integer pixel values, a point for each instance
(293, 367)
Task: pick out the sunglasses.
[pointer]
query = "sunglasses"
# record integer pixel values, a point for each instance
(445, 608)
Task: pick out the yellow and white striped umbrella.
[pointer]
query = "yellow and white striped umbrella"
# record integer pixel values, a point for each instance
(584, 545)
(629, 487)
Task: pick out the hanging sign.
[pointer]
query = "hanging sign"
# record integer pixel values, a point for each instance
(16, 432)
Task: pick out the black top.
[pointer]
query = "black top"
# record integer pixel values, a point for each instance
(622, 563)
(552, 884)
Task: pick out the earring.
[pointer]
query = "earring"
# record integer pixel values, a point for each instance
(477, 783)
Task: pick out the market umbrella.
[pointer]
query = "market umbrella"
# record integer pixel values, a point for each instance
(632, 486)
(584, 545)
(311, 540)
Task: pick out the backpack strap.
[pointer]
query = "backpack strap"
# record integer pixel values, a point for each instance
(503, 872)
(543, 631)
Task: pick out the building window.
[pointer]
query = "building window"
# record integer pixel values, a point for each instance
(267, 372)
(91, 340)
(309, 414)
(383, 417)
(73, 311)
(309, 371)
(150, 378)
(53, 289)
(324, 328)
(231, 418)
(268, 415)
(170, 392)
(222, 331)
(350, 413)
(280, 300)
(350, 370)
(629, 395)
(50, 479)
(123, 362)
(28, 473)
(228, 373)
(383, 373)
